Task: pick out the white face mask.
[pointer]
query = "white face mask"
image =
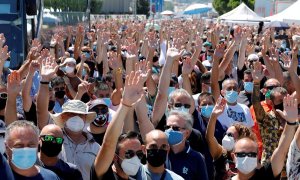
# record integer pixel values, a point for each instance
(246, 164)
(228, 143)
(2, 145)
(69, 69)
(75, 124)
(131, 166)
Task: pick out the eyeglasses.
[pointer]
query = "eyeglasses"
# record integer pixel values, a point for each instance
(229, 134)
(130, 154)
(2, 135)
(244, 154)
(175, 128)
(179, 105)
(271, 87)
(59, 89)
(100, 109)
(49, 138)
(3, 95)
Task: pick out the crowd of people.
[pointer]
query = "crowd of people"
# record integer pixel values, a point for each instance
(190, 100)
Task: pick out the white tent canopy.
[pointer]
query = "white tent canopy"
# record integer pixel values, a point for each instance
(289, 15)
(241, 13)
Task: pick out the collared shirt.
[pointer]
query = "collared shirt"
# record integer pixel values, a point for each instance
(188, 164)
(57, 107)
(82, 155)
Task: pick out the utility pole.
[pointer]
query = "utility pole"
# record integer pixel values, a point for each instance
(88, 12)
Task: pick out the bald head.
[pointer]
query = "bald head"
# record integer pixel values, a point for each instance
(245, 145)
(156, 139)
(52, 129)
(272, 82)
(156, 135)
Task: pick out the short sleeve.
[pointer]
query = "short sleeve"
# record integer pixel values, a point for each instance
(293, 161)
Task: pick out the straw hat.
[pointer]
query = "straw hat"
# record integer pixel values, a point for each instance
(73, 106)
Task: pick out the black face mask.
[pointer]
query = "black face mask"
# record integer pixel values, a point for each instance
(156, 157)
(85, 98)
(279, 106)
(2, 103)
(60, 94)
(51, 149)
(51, 105)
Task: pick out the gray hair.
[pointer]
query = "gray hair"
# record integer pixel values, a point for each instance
(21, 124)
(280, 90)
(189, 120)
(227, 81)
(177, 92)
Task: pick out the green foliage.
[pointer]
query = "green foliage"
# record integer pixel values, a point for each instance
(73, 5)
(96, 6)
(224, 6)
(168, 6)
(143, 7)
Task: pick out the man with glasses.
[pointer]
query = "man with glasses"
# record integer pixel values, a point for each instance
(51, 141)
(22, 138)
(58, 85)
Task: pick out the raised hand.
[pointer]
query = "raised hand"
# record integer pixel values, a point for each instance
(133, 89)
(187, 67)
(257, 72)
(2, 40)
(83, 87)
(4, 54)
(144, 69)
(219, 52)
(13, 84)
(114, 62)
(34, 66)
(48, 69)
(198, 43)
(290, 109)
(172, 54)
(219, 107)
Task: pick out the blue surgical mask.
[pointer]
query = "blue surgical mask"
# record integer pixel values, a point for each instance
(107, 101)
(6, 64)
(231, 96)
(248, 86)
(87, 55)
(24, 158)
(209, 58)
(207, 110)
(174, 137)
(83, 72)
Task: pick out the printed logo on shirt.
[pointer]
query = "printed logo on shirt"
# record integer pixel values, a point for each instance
(236, 116)
(185, 170)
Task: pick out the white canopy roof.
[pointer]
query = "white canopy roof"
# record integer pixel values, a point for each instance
(241, 13)
(289, 15)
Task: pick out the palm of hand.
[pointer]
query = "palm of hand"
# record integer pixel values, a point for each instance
(173, 53)
(4, 54)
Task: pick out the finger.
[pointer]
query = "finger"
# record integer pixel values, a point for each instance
(281, 113)
(130, 80)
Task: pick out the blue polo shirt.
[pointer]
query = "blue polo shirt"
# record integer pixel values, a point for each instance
(189, 164)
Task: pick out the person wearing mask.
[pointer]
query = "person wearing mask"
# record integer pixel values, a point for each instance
(59, 88)
(104, 116)
(245, 149)
(245, 95)
(50, 144)
(221, 152)
(269, 119)
(120, 155)
(2, 137)
(79, 147)
(234, 112)
(22, 138)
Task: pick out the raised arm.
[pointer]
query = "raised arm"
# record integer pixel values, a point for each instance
(290, 114)
(132, 93)
(257, 74)
(218, 55)
(4, 54)
(48, 70)
(161, 99)
(214, 147)
(242, 50)
(13, 89)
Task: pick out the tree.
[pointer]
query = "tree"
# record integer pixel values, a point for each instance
(224, 6)
(143, 7)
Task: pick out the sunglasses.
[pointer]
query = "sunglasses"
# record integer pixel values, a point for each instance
(130, 154)
(179, 105)
(59, 89)
(49, 138)
(229, 134)
(244, 154)
(2, 135)
(271, 87)
(3, 95)
(100, 109)
(175, 128)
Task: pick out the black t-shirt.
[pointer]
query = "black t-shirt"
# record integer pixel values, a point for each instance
(5, 170)
(31, 114)
(265, 173)
(109, 175)
(98, 138)
(44, 174)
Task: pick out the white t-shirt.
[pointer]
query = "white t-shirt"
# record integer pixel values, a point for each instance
(238, 113)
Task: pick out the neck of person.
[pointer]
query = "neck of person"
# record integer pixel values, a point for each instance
(31, 172)
(178, 147)
(118, 170)
(48, 161)
(241, 176)
(77, 137)
(97, 130)
(156, 170)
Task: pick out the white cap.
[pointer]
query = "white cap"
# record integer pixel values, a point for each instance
(70, 60)
(253, 57)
